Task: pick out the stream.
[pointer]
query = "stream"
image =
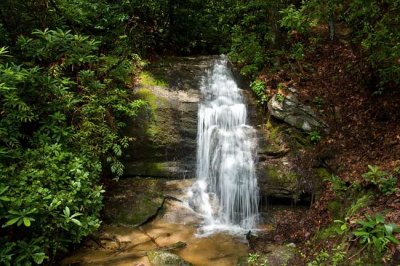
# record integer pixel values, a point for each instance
(125, 245)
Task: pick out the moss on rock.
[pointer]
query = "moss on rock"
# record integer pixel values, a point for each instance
(150, 79)
(160, 129)
(165, 258)
(131, 201)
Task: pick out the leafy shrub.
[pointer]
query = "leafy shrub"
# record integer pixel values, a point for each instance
(386, 183)
(375, 232)
(295, 19)
(338, 185)
(297, 51)
(315, 136)
(373, 25)
(253, 258)
(280, 97)
(258, 87)
(334, 258)
(59, 130)
(249, 53)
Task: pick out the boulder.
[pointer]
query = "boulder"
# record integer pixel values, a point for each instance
(293, 112)
(280, 254)
(165, 258)
(275, 255)
(144, 196)
(279, 181)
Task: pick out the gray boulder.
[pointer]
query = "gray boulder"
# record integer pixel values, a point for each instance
(294, 113)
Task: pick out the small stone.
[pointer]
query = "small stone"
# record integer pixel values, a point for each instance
(165, 258)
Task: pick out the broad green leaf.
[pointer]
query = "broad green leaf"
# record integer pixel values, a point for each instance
(4, 198)
(27, 222)
(357, 233)
(11, 222)
(67, 212)
(39, 257)
(379, 218)
(393, 239)
(77, 222)
(389, 228)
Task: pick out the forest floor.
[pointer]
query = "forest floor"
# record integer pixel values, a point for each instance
(364, 130)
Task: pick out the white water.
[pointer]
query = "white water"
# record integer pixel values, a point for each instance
(226, 191)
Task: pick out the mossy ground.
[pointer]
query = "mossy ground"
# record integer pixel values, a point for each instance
(150, 79)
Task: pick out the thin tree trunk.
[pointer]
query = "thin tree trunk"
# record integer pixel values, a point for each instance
(331, 23)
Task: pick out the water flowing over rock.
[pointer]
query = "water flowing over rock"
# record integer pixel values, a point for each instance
(226, 192)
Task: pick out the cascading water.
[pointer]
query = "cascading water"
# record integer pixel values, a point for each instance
(226, 191)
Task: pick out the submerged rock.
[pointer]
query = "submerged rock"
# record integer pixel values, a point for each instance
(165, 258)
(293, 112)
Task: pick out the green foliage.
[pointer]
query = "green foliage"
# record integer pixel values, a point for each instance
(258, 87)
(280, 97)
(253, 258)
(376, 233)
(386, 183)
(250, 54)
(295, 19)
(334, 258)
(319, 102)
(361, 202)
(62, 105)
(314, 136)
(342, 227)
(373, 25)
(297, 51)
(255, 35)
(338, 185)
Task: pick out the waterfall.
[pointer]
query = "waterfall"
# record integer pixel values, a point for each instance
(226, 191)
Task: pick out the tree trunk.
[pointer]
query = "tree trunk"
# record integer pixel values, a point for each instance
(331, 23)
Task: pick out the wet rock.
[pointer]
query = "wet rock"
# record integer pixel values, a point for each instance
(278, 177)
(293, 112)
(165, 258)
(165, 136)
(174, 246)
(144, 196)
(279, 181)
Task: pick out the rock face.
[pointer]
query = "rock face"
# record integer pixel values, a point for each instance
(165, 258)
(142, 195)
(294, 113)
(132, 201)
(165, 137)
(279, 177)
(165, 134)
